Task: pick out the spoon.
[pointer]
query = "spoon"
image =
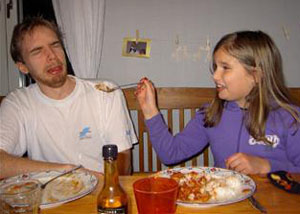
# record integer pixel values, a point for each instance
(102, 87)
(64, 173)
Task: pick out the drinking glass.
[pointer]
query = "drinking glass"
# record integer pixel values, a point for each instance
(155, 195)
(20, 197)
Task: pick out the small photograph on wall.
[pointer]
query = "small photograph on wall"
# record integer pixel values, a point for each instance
(136, 48)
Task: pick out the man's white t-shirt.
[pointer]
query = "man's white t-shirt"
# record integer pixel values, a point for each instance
(72, 130)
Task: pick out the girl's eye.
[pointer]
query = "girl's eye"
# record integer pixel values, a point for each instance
(214, 68)
(226, 67)
(221, 67)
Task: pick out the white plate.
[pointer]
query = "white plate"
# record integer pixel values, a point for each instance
(246, 181)
(88, 181)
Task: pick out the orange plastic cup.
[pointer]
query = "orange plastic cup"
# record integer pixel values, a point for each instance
(155, 195)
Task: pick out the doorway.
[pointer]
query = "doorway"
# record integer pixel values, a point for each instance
(11, 13)
(9, 75)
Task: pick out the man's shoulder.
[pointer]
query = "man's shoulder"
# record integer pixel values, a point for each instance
(23, 94)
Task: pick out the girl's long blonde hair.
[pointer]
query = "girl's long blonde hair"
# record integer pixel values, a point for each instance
(257, 52)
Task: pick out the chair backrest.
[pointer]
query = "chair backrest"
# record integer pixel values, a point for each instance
(178, 104)
(170, 100)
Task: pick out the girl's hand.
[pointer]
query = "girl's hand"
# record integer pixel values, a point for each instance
(248, 164)
(145, 94)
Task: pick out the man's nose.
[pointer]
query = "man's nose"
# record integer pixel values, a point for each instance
(51, 54)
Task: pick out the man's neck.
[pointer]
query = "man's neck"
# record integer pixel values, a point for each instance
(60, 92)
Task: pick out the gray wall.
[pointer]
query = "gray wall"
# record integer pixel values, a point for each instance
(193, 22)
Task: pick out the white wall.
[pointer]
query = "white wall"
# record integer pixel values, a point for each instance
(193, 21)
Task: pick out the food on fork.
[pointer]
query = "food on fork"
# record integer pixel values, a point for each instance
(102, 87)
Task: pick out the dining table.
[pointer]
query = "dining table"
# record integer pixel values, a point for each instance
(274, 200)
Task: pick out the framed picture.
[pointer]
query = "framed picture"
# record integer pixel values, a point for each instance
(136, 48)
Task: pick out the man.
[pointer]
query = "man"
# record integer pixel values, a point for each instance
(61, 120)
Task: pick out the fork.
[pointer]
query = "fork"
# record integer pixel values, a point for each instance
(64, 173)
(102, 87)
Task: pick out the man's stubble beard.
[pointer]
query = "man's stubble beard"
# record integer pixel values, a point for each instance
(53, 82)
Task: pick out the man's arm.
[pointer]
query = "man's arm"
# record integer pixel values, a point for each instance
(124, 162)
(11, 165)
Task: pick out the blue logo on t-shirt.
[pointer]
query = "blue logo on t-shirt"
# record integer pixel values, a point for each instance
(85, 133)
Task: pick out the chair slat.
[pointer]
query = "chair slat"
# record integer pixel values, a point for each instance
(141, 140)
(158, 164)
(181, 119)
(206, 157)
(170, 124)
(150, 155)
(170, 119)
(193, 113)
(181, 126)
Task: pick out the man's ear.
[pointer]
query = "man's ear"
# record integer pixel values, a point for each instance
(22, 67)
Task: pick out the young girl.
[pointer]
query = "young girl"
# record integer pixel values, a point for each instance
(252, 125)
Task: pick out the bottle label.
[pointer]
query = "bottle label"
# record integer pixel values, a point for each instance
(119, 210)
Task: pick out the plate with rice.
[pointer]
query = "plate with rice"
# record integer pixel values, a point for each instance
(209, 186)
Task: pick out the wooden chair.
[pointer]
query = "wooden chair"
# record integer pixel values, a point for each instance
(184, 101)
(170, 100)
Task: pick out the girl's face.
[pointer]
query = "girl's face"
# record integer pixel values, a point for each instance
(232, 80)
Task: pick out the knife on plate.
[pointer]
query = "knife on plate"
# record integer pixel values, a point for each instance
(257, 205)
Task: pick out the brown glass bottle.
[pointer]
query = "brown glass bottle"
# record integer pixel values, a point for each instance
(112, 198)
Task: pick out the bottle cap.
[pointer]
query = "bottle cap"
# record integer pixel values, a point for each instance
(110, 151)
